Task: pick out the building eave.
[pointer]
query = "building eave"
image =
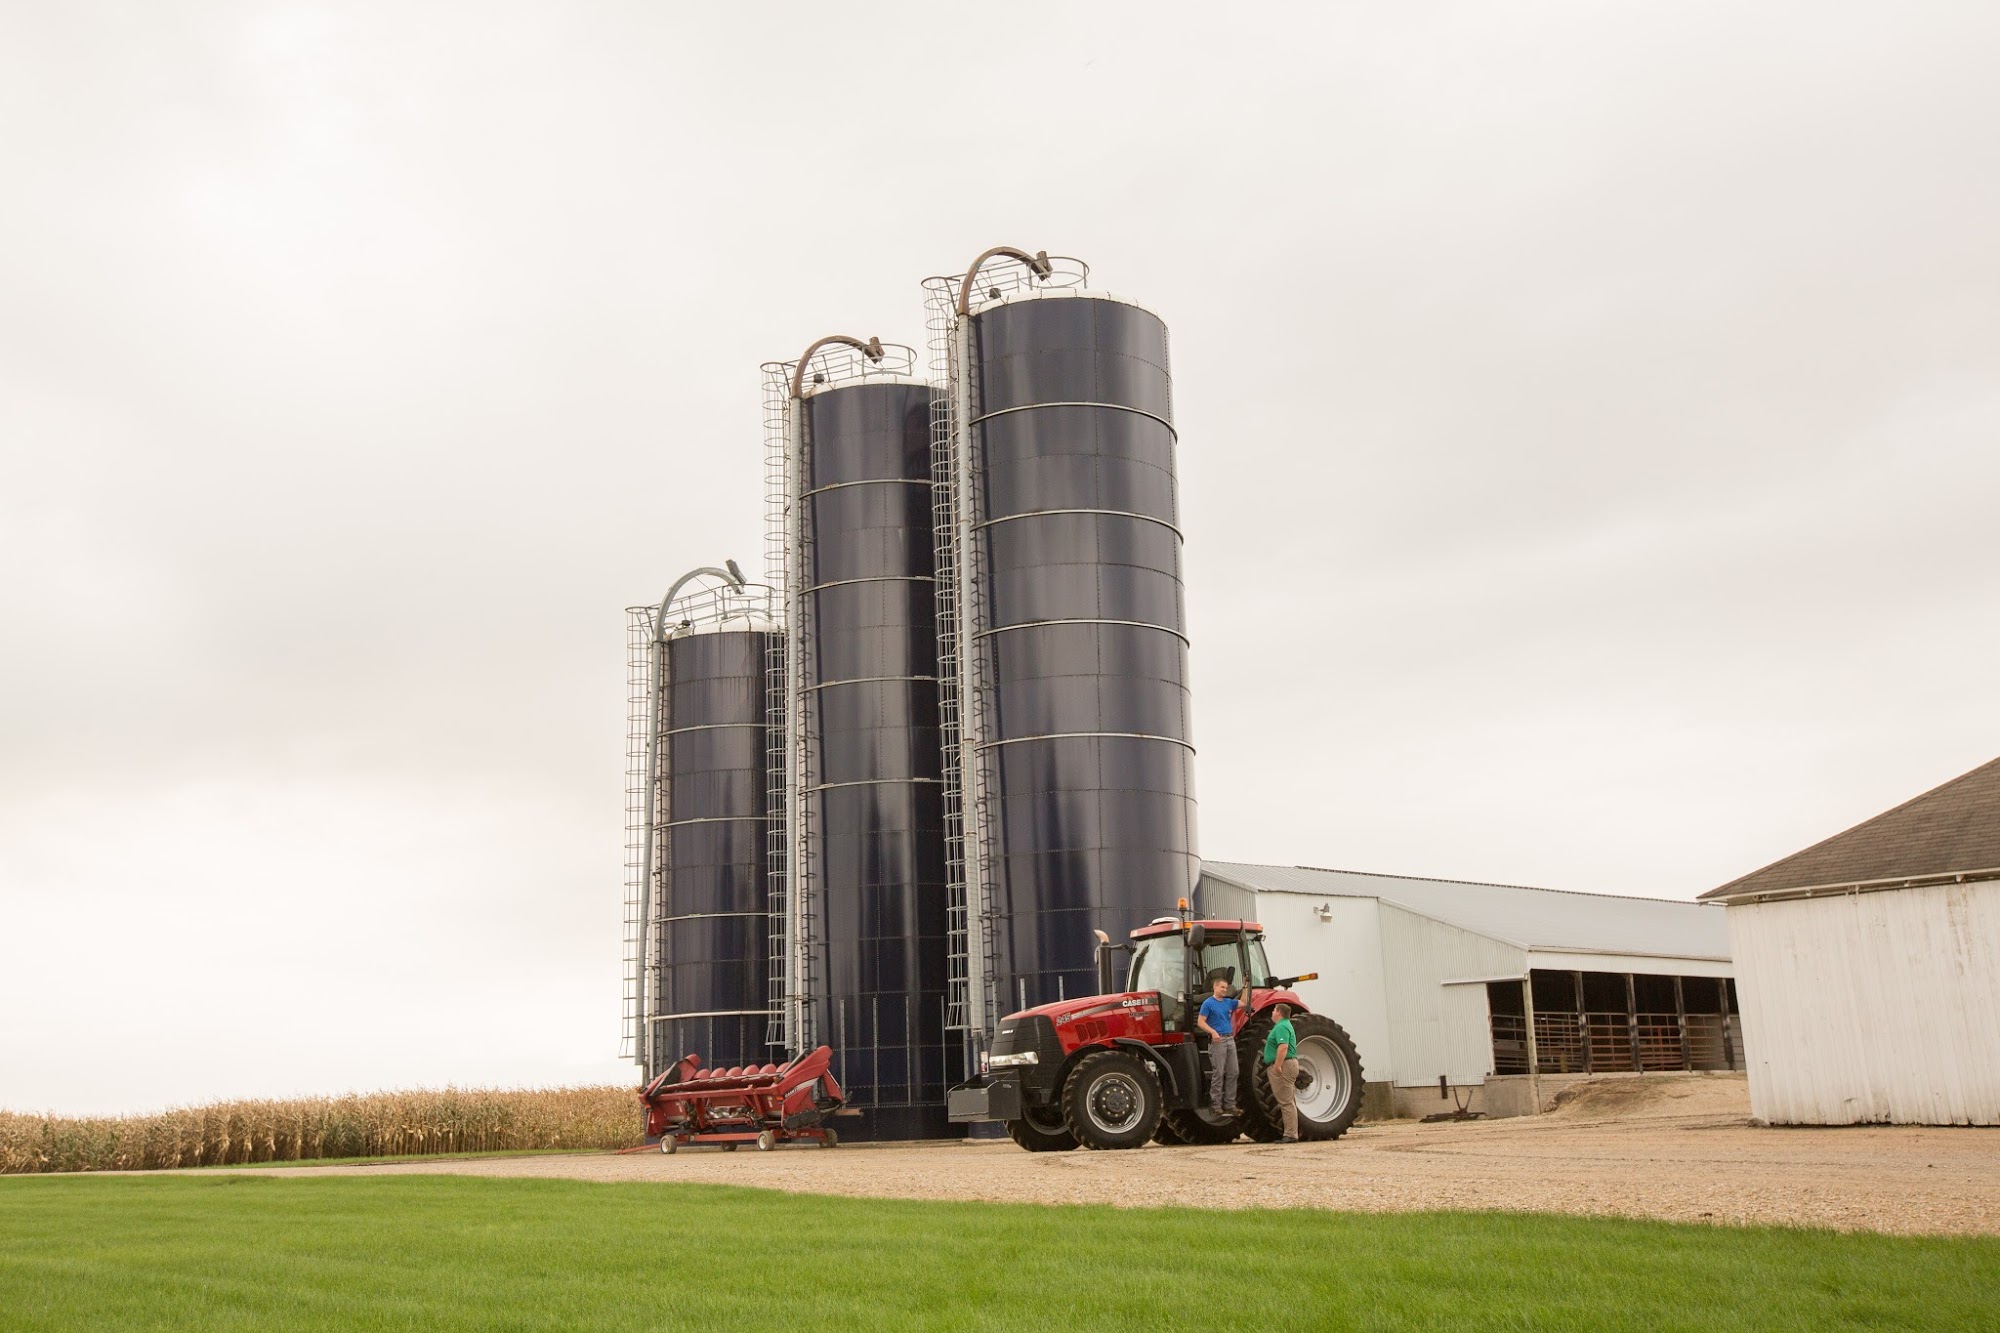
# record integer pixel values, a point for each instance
(1840, 890)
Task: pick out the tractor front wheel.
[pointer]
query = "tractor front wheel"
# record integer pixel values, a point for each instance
(1112, 1100)
(1041, 1130)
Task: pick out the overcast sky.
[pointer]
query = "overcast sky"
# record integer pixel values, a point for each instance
(1590, 421)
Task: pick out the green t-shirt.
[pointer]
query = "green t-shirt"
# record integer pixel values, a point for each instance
(1281, 1034)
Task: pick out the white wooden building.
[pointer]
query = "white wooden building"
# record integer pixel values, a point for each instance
(1869, 967)
(1473, 993)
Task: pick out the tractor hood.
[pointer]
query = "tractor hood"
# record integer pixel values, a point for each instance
(1143, 1002)
(1091, 1006)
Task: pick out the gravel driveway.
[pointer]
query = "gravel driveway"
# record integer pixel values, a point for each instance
(1680, 1149)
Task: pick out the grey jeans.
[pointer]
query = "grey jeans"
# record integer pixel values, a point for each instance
(1222, 1075)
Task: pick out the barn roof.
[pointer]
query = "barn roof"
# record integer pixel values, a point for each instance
(1548, 919)
(1949, 832)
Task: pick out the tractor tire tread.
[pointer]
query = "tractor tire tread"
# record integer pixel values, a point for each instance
(1189, 1127)
(1085, 1072)
(1260, 1109)
(1026, 1134)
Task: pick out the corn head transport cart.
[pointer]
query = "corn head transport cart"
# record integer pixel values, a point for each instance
(762, 1104)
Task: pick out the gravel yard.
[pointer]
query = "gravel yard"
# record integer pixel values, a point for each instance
(1678, 1149)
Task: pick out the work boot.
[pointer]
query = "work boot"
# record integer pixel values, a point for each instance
(1288, 1139)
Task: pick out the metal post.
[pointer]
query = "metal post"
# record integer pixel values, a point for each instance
(1632, 1024)
(1681, 1019)
(1528, 1016)
(1583, 1021)
(911, 1081)
(1728, 1043)
(944, 1045)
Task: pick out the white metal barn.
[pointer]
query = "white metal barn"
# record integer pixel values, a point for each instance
(1488, 987)
(1870, 967)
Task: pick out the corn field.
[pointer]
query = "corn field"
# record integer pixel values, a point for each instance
(381, 1124)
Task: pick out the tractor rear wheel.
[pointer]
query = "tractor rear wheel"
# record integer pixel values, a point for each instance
(1166, 1135)
(1203, 1127)
(1112, 1100)
(1260, 1119)
(1041, 1131)
(1331, 1071)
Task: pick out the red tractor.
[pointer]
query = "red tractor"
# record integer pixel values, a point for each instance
(1118, 1070)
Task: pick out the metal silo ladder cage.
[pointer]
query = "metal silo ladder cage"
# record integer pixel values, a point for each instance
(777, 573)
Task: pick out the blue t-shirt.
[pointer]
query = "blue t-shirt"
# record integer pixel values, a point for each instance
(1221, 1014)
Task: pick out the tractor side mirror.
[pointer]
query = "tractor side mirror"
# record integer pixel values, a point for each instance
(1197, 937)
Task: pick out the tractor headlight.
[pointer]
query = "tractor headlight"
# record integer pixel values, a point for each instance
(1017, 1058)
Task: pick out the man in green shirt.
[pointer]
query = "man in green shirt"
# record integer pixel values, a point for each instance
(1281, 1066)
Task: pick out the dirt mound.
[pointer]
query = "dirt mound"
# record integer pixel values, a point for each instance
(1641, 1096)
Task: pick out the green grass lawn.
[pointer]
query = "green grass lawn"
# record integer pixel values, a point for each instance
(440, 1252)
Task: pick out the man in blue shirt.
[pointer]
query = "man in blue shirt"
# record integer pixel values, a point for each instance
(1218, 1020)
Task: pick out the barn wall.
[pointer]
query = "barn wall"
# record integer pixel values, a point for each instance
(1436, 1028)
(1873, 1007)
(1347, 954)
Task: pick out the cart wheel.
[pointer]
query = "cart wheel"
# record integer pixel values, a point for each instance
(729, 1147)
(829, 1140)
(766, 1141)
(668, 1144)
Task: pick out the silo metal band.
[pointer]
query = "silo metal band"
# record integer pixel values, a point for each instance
(885, 578)
(1115, 407)
(863, 680)
(718, 819)
(879, 782)
(925, 482)
(1109, 513)
(1066, 735)
(712, 726)
(1040, 624)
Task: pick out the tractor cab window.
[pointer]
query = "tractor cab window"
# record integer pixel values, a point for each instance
(1222, 958)
(1158, 966)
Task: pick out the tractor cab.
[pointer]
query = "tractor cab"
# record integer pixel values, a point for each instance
(1181, 960)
